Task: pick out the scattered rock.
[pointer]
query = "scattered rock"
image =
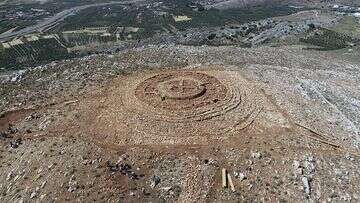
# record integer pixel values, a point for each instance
(4, 135)
(16, 143)
(33, 195)
(306, 185)
(45, 123)
(211, 162)
(256, 155)
(42, 196)
(155, 180)
(296, 164)
(166, 189)
(123, 168)
(50, 166)
(12, 129)
(349, 157)
(240, 176)
(72, 184)
(33, 116)
(310, 166)
(17, 76)
(43, 184)
(9, 176)
(297, 168)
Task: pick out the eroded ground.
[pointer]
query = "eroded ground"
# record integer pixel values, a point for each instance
(159, 123)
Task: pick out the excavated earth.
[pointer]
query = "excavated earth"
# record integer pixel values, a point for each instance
(158, 124)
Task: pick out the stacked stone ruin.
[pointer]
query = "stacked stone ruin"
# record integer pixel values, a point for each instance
(178, 107)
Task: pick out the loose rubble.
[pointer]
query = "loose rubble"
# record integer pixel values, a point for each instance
(301, 145)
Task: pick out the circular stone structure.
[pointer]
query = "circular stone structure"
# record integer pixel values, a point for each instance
(176, 107)
(181, 96)
(180, 89)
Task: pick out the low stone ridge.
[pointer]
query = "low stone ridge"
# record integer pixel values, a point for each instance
(157, 107)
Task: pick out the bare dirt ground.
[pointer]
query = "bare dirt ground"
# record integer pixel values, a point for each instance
(157, 124)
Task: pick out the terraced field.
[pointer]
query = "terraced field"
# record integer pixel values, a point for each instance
(148, 19)
(31, 52)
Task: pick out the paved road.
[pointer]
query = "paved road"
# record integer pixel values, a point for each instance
(48, 22)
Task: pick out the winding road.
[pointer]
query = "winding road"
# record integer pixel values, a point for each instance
(48, 22)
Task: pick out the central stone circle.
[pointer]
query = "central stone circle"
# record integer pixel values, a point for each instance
(181, 91)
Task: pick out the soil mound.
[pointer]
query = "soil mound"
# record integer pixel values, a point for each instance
(176, 107)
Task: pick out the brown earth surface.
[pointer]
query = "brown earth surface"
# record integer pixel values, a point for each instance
(163, 131)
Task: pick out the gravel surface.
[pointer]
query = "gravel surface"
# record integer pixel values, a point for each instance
(302, 146)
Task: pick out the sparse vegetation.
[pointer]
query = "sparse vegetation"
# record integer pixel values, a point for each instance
(328, 40)
(349, 25)
(150, 20)
(176, 101)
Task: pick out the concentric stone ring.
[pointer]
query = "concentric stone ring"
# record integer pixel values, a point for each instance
(181, 89)
(180, 94)
(177, 107)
